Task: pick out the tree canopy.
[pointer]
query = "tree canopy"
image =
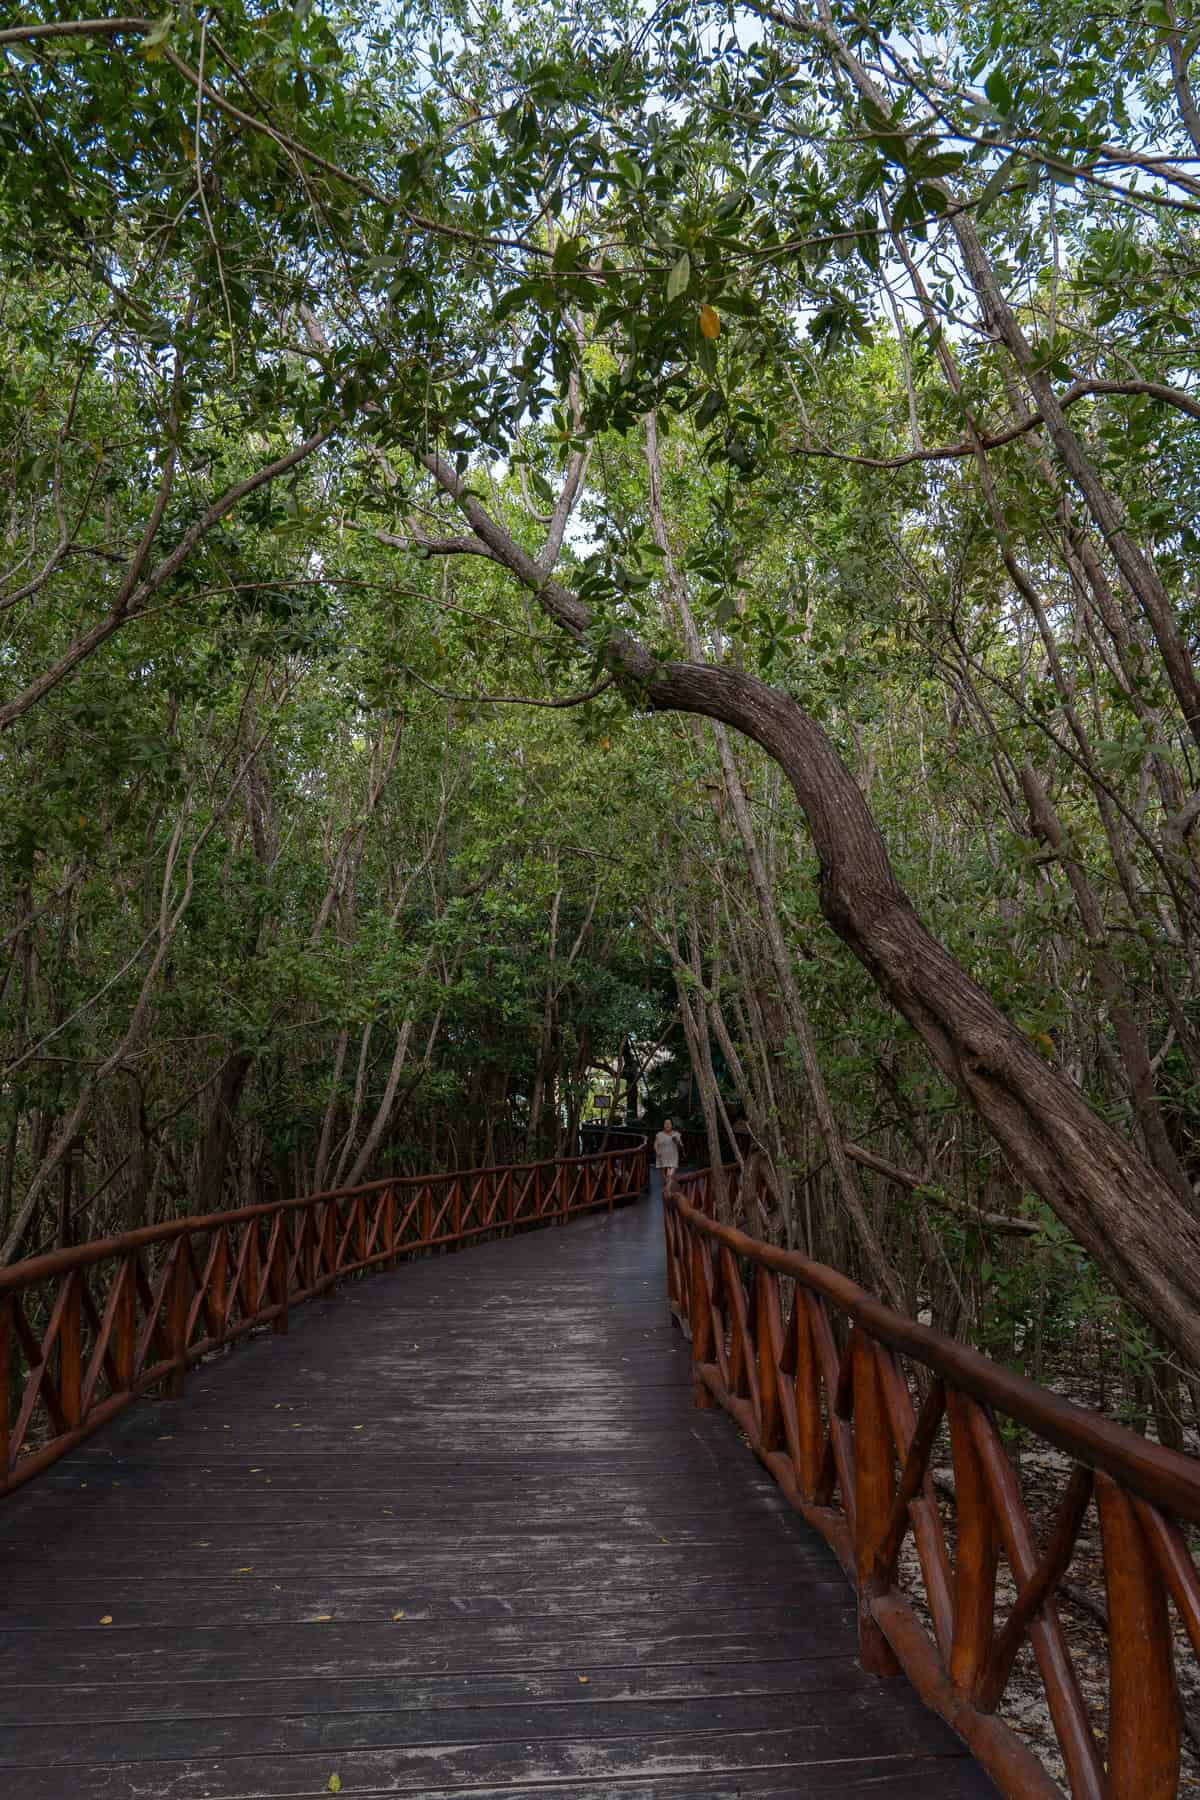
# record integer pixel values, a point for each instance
(536, 542)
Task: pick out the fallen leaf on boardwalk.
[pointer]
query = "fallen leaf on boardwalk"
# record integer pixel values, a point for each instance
(335, 1784)
(249, 1568)
(107, 1619)
(398, 1615)
(584, 1679)
(322, 1618)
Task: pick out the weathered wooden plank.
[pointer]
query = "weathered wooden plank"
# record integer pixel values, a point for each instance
(825, 1721)
(757, 1609)
(587, 1763)
(650, 1564)
(898, 1779)
(356, 1649)
(601, 1592)
(260, 1696)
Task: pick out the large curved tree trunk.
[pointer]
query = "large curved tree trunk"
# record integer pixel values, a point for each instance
(1142, 1235)
(1098, 1184)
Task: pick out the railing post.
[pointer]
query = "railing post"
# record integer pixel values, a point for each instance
(214, 1298)
(769, 1332)
(675, 1277)
(1143, 1703)
(807, 1390)
(329, 1234)
(975, 1559)
(177, 1318)
(70, 1352)
(700, 1322)
(279, 1274)
(250, 1282)
(389, 1227)
(874, 1486)
(125, 1324)
(313, 1217)
(734, 1297)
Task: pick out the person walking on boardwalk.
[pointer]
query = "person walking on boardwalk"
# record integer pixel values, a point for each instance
(667, 1146)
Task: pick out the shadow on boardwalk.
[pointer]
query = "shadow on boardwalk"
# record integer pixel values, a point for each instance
(462, 1533)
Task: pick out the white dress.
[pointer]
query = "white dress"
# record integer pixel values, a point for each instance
(666, 1149)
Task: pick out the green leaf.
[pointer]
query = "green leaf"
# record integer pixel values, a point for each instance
(995, 184)
(998, 91)
(568, 253)
(710, 406)
(679, 277)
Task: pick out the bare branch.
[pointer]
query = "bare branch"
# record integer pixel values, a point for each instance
(1079, 390)
(512, 699)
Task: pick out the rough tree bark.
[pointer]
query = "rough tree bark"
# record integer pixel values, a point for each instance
(848, 1187)
(1106, 1193)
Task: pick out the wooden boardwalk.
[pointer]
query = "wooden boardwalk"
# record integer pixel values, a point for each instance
(461, 1533)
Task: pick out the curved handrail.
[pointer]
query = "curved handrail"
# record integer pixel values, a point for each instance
(844, 1401)
(82, 1256)
(87, 1329)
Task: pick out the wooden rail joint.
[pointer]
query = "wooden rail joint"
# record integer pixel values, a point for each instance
(849, 1405)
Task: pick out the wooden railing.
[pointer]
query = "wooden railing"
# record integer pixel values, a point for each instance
(846, 1402)
(84, 1331)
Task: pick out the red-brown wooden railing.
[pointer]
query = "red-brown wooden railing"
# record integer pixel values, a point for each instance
(845, 1402)
(85, 1331)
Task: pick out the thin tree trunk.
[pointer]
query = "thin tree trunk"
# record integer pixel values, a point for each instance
(1104, 1191)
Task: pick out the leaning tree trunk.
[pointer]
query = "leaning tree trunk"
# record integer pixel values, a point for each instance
(1104, 1191)
(1110, 1198)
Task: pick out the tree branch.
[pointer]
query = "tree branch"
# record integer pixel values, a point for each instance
(511, 699)
(1102, 1188)
(1079, 390)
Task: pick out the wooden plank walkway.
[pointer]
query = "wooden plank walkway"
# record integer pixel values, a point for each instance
(461, 1533)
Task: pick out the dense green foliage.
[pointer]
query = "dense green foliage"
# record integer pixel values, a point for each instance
(855, 354)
